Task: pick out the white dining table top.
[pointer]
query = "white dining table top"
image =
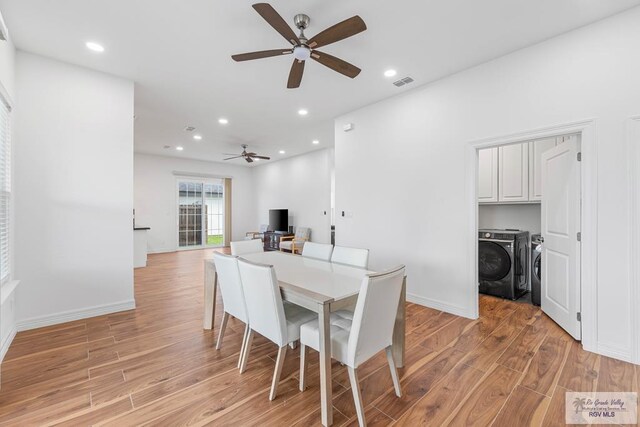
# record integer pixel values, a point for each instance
(333, 280)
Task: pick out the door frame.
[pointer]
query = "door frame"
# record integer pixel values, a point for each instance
(197, 179)
(633, 144)
(589, 214)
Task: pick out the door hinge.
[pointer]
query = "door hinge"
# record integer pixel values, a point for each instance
(579, 236)
(579, 156)
(579, 316)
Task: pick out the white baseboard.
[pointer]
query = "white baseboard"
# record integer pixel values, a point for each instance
(614, 352)
(68, 316)
(441, 305)
(7, 342)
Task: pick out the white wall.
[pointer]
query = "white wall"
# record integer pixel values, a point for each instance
(73, 192)
(525, 217)
(155, 197)
(301, 184)
(416, 145)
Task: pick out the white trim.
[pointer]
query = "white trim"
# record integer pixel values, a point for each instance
(68, 316)
(633, 142)
(440, 305)
(7, 342)
(589, 227)
(614, 352)
(195, 175)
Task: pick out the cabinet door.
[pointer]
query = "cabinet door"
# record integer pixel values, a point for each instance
(488, 175)
(513, 173)
(536, 148)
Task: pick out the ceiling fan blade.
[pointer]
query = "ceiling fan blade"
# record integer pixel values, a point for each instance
(248, 159)
(335, 64)
(234, 157)
(261, 157)
(275, 20)
(261, 54)
(342, 30)
(295, 75)
(251, 154)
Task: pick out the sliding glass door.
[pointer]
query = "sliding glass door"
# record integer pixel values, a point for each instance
(201, 207)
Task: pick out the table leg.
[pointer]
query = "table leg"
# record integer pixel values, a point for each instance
(399, 328)
(210, 289)
(326, 401)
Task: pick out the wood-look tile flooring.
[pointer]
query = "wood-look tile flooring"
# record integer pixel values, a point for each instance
(156, 366)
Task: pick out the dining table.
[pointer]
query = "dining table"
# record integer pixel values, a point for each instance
(320, 286)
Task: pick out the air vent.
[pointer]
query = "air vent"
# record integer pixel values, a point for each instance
(189, 128)
(403, 82)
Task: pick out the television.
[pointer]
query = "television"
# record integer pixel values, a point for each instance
(279, 220)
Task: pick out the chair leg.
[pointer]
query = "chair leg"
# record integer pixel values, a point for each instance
(247, 350)
(357, 397)
(223, 326)
(293, 345)
(394, 371)
(276, 373)
(303, 366)
(244, 343)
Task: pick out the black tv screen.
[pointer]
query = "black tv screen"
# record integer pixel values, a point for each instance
(279, 219)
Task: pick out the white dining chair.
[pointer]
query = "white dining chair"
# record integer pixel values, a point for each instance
(352, 256)
(268, 316)
(243, 247)
(232, 296)
(371, 330)
(317, 250)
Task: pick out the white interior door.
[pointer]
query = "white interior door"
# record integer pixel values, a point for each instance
(560, 290)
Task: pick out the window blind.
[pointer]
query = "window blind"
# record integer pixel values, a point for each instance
(5, 190)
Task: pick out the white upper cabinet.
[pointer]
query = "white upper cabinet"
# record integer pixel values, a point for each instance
(536, 148)
(488, 175)
(513, 173)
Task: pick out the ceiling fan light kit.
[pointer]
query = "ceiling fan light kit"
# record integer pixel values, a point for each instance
(303, 48)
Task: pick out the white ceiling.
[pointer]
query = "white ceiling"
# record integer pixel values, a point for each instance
(178, 53)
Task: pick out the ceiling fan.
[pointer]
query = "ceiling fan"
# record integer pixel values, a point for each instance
(247, 156)
(303, 48)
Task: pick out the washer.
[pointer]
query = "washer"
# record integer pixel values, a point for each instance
(503, 260)
(536, 268)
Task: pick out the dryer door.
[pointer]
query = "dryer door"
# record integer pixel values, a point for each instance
(494, 262)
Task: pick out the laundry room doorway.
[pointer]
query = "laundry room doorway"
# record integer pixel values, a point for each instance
(534, 187)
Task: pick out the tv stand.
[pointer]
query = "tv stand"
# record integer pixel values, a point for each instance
(272, 240)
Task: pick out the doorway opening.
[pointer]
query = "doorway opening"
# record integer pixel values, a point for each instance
(201, 213)
(528, 243)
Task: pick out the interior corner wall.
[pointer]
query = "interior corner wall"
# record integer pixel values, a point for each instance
(401, 173)
(155, 197)
(73, 168)
(301, 184)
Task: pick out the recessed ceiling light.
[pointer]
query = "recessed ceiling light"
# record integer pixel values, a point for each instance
(223, 121)
(315, 142)
(303, 112)
(197, 137)
(179, 148)
(281, 151)
(94, 47)
(390, 73)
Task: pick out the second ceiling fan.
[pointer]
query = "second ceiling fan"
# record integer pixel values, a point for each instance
(303, 48)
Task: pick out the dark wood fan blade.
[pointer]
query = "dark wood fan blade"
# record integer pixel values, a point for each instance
(261, 157)
(335, 64)
(248, 159)
(340, 31)
(295, 75)
(261, 54)
(251, 154)
(234, 157)
(275, 20)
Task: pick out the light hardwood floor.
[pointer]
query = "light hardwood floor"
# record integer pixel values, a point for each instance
(156, 366)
